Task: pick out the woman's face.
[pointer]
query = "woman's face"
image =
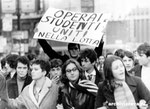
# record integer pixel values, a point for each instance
(128, 62)
(118, 70)
(72, 72)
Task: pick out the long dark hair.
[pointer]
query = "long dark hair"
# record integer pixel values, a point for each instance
(109, 78)
(76, 63)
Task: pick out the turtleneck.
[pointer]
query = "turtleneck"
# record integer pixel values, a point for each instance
(20, 83)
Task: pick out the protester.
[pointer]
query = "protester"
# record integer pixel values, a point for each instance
(88, 59)
(100, 63)
(78, 93)
(21, 78)
(142, 70)
(135, 53)
(109, 54)
(119, 52)
(31, 56)
(3, 68)
(55, 70)
(10, 65)
(41, 93)
(3, 92)
(55, 75)
(119, 90)
(128, 60)
(73, 50)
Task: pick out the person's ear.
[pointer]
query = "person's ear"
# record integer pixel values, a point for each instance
(44, 73)
(94, 63)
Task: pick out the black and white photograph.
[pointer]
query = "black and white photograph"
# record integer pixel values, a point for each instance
(74, 54)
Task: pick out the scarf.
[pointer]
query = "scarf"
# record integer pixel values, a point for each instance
(85, 86)
(124, 97)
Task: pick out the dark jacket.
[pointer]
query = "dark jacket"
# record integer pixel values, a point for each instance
(137, 70)
(13, 87)
(53, 54)
(3, 92)
(99, 76)
(77, 99)
(137, 87)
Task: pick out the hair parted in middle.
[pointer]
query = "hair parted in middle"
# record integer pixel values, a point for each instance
(109, 78)
(79, 68)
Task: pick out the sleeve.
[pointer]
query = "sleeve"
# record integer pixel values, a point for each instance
(3, 92)
(66, 101)
(5, 101)
(143, 92)
(99, 49)
(50, 52)
(59, 101)
(17, 103)
(100, 99)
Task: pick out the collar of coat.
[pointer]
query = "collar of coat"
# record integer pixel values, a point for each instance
(45, 89)
(130, 80)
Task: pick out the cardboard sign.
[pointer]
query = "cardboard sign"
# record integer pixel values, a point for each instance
(74, 27)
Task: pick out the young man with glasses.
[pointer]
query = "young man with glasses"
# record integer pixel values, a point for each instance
(73, 50)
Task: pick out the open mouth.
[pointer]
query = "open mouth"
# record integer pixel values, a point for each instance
(128, 66)
(121, 73)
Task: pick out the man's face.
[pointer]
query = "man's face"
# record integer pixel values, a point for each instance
(36, 72)
(128, 62)
(74, 51)
(8, 68)
(22, 69)
(143, 59)
(86, 64)
(55, 71)
(101, 59)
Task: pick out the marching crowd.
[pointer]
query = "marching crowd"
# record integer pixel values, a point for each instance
(84, 79)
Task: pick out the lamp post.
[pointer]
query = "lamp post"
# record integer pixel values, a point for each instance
(18, 23)
(18, 14)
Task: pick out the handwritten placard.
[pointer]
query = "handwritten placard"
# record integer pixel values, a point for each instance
(75, 27)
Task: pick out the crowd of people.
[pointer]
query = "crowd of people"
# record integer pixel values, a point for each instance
(86, 79)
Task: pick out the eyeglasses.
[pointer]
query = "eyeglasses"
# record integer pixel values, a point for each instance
(69, 70)
(74, 48)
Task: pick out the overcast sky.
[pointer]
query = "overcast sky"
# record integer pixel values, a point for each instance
(112, 6)
(120, 6)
